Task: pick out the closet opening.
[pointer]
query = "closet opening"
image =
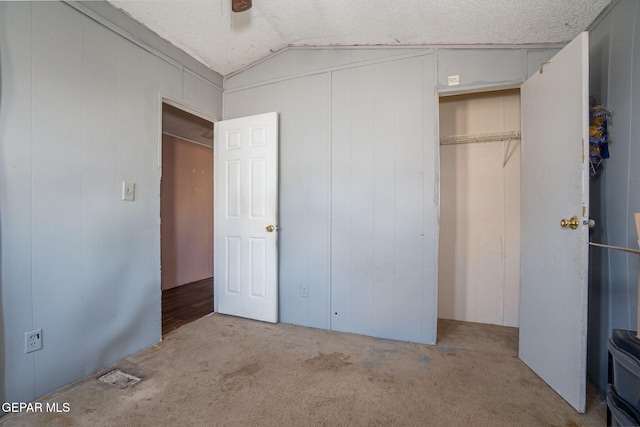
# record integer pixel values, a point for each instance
(480, 186)
(186, 217)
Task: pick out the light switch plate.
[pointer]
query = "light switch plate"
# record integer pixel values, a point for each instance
(128, 191)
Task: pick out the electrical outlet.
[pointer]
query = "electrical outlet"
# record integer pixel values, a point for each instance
(33, 340)
(304, 291)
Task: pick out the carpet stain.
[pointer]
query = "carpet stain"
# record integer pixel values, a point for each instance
(238, 379)
(424, 358)
(447, 350)
(246, 370)
(570, 423)
(328, 362)
(384, 350)
(383, 377)
(379, 357)
(526, 383)
(59, 420)
(289, 346)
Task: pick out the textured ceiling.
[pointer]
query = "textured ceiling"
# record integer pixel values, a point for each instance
(227, 41)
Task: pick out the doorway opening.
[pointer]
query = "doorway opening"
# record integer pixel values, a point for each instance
(186, 214)
(480, 186)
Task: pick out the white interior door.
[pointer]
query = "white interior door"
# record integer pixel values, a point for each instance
(246, 230)
(555, 185)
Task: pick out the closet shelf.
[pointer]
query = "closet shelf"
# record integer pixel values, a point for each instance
(480, 137)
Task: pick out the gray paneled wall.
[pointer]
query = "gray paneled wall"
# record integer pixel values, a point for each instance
(615, 196)
(79, 113)
(305, 189)
(15, 200)
(57, 210)
(382, 142)
(358, 144)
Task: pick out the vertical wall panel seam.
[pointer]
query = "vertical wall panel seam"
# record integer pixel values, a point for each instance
(630, 280)
(394, 144)
(82, 197)
(626, 213)
(31, 238)
(372, 321)
(118, 51)
(436, 195)
(216, 202)
(424, 201)
(330, 202)
(138, 201)
(504, 214)
(606, 205)
(349, 304)
(423, 274)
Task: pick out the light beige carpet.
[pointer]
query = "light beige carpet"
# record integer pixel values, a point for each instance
(227, 371)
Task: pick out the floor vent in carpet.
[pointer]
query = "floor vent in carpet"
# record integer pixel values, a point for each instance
(119, 379)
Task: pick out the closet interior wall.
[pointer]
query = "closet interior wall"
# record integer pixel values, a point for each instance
(479, 261)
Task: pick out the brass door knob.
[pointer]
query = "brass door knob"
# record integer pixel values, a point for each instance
(270, 228)
(572, 223)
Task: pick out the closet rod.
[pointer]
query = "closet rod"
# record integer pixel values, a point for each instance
(480, 137)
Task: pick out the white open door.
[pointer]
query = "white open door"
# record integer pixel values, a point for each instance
(555, 186)
(246, 208)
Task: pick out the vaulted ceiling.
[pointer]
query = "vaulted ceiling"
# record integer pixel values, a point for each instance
(226, 41)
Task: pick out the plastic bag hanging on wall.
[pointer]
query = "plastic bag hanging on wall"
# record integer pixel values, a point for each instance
(598, 135)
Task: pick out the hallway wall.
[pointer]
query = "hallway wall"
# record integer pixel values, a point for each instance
(186, 211)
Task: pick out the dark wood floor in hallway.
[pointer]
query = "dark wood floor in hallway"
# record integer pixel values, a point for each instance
(186, 303)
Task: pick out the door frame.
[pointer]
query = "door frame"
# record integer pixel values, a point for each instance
(163, 99)
(445, 94)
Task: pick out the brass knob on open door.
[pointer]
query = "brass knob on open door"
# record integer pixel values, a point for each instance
(270, 228)
(572, 223)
